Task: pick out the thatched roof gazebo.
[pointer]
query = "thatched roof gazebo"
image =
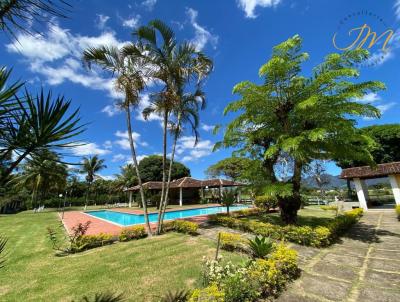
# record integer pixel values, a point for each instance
(188, 183)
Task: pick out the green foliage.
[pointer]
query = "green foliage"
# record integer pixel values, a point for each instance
(318, 237)
(181, 226)
(266, 202)
(397, 209)
(175, 296)
(260, 246)
(258, 279)
(228, 198)
(210, 293)
(78, 241)
(103, 297)
(150, 169)
(135, 232)
(300, 119)
(240, 288)
(34, 123)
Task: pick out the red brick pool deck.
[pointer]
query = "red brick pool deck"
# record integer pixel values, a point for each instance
(97, 226)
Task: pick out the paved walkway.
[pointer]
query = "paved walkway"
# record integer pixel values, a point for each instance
(364, 266)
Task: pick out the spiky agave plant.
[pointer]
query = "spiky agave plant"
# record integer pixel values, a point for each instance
(261, 247)
(175, 296)
(104, 297)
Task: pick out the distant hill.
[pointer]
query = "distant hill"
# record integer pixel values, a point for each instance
(336, 182)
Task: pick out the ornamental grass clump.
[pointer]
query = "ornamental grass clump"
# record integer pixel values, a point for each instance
(131, 233)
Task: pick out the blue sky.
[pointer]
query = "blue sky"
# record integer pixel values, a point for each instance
(237, 35)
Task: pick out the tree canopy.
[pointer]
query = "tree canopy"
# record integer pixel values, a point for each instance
(294, 119)
(151, 169)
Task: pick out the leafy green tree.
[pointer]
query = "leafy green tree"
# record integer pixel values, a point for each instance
(131, 70)
(151, 168)
(298, 119)
(176, 66)
(42, 174)
(387, 139)
(91, 166)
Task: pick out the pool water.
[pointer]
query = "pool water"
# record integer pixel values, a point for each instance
(127, 219)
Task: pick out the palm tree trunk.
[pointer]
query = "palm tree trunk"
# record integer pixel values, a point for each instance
(165, 124)
(87, 196)
(165, 203)
(135, 163)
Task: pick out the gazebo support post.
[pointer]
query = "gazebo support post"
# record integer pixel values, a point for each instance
(180, 196)
(130, 199)
(395, 183)
(362, 193)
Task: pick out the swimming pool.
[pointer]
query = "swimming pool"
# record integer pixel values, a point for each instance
(127, 219)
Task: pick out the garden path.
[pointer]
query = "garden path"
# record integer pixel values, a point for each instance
(363, 266)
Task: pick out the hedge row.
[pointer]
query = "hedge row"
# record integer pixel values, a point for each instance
(398, 211)
(318, 237)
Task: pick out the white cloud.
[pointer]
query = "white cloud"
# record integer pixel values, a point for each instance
(206, 127)
(119, 157)
(397, 9)
(202, 36)
(56, 55)
(131, 22)
(149, 4)
(186, 149)
(249, 6)
(89, 149)
(385, 107)
(101, 21)
(107, 177)
(144, 103)
(123, 141)
(368, 98)
(111, 110)
(107, 144)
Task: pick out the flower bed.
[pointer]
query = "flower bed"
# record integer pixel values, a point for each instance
(255, 280)
(318, 236)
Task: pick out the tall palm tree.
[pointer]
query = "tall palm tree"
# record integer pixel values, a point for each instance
(186, 112)
(176, 65)
(131, 72)
(42, 173)
(91, 166)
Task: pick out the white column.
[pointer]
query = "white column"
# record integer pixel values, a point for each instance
(130, 199)
(361, 193)
(220, 192)
(180, 196)
(395, 183)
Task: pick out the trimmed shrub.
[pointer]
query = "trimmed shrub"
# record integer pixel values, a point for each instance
(135, 232)
(398, 211)
(329, 208)
(232, 241)
(91, 241)
(266, 202)
(210, 293)
(181, 226)
(318, 237)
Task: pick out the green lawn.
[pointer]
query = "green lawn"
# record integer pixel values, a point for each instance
(141, 269)
(311, 216)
